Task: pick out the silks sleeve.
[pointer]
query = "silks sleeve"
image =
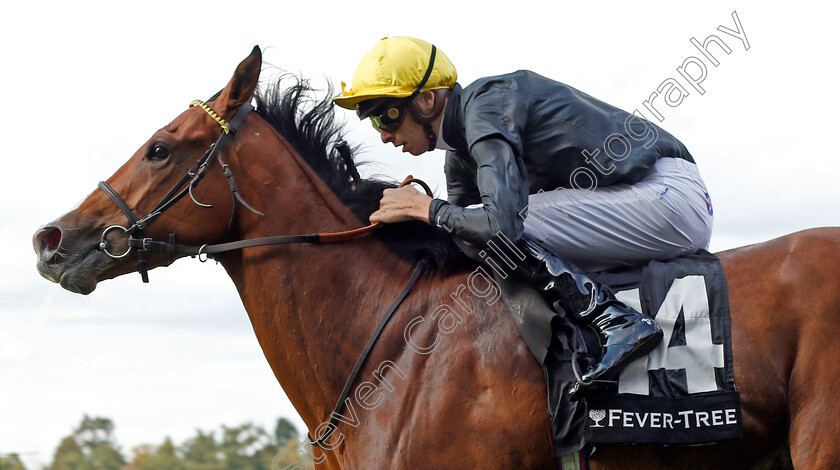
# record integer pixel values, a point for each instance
(502, 185)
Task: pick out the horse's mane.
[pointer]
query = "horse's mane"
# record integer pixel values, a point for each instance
(309, 124)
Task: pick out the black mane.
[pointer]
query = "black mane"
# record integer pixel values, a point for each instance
(309, 124)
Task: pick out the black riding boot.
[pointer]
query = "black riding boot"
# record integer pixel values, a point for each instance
(624, 333)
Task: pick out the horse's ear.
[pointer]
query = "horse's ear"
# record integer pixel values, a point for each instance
(241, 87)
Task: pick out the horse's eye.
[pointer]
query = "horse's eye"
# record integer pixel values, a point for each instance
(157, 152)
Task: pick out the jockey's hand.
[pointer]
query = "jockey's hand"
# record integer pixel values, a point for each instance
(401, 205)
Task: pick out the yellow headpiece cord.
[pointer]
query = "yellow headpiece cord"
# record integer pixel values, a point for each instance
(209, 110)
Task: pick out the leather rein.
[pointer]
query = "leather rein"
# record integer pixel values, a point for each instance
(137, 239)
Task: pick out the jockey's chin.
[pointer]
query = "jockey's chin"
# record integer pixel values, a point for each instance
(415, 150)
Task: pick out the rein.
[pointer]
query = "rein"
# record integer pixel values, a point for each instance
(144, 244)
(343, 398)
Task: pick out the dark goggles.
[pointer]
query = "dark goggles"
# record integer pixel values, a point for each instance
(389, 118)
(385, 114)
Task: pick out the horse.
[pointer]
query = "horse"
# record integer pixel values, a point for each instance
(448, 383)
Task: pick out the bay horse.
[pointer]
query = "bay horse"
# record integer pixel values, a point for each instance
(440, 389)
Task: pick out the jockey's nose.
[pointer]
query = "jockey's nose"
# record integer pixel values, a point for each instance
(387, 136)
(46, 241)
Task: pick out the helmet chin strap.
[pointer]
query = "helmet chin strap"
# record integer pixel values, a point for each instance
(426, 119)
(431, 136)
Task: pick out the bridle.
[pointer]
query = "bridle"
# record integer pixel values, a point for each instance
(144, 245)
(137, 238)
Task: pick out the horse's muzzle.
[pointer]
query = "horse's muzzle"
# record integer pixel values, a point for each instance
(74, 269)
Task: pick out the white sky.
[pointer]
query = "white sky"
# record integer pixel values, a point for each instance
(85, 84)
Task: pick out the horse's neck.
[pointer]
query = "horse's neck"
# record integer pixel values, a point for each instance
(312, 307)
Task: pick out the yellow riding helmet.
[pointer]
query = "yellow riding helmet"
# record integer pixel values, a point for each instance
(393, 69)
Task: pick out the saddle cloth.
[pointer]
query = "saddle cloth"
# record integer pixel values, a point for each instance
(683, 393)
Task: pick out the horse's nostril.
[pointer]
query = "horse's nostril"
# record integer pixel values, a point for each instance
(47, 240)
(53, 239)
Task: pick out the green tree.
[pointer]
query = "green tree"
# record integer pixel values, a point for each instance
(94, 431)
(104, 456)
(202, 453)
(68, 456)
(286, 457)
(142, 454)
(285, 452)
(11, 462)
(240, 446)
(90, 447)
(163, 457)
(284, 431)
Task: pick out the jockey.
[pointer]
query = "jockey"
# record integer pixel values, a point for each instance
(583, 185)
